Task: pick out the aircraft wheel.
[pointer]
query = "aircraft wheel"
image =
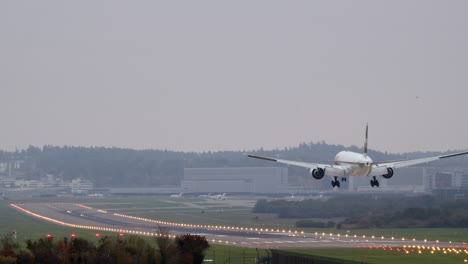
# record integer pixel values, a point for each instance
(372, 183)
(337, 184)
(376, 183)
(333, 184)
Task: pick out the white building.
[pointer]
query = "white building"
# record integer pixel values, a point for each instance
(81, 186)
(3, 167)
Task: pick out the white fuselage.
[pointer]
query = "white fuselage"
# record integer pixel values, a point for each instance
(354, 164)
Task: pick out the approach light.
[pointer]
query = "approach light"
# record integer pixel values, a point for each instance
(97, 235)
(73, 235)
(49, 236)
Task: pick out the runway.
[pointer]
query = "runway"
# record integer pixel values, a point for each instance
(85, 217)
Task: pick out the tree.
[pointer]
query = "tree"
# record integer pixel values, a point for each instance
(164, 243)
(191, 248)
(43, 251)
(131, 249)
(9, 246)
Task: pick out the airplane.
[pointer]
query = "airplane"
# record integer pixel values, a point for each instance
(204, 195)
(218, 197)
(348, 163)
(176, 195)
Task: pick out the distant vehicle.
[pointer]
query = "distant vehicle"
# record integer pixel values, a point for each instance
(176, 195)
(347, 163)
(218, 197)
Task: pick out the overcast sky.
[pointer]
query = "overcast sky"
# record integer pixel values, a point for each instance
(234, 75)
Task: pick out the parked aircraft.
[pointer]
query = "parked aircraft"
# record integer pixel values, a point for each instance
(176, 195)
(218, 197)
(347, 163)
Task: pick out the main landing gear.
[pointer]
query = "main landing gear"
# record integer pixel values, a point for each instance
(374, 182)
(335, 182)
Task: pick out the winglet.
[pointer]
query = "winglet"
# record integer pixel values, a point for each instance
(365, 142)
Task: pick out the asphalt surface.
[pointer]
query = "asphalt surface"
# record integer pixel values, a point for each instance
(80, 216)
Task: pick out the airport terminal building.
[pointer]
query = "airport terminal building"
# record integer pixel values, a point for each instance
(235, 180)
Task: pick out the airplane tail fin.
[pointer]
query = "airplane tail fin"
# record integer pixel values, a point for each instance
(365, 142)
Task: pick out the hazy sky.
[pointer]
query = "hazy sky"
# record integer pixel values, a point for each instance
(234, 75)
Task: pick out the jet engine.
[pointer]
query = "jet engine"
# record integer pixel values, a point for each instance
(389, 173)
(317, 173)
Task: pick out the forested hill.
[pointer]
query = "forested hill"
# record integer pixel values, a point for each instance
(127, 167)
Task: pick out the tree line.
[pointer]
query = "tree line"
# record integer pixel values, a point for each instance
(444, 216)
(365, 211)
(183, 249)
(341, 206)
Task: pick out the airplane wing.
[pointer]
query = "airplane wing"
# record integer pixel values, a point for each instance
(406, 163)
(290, 162)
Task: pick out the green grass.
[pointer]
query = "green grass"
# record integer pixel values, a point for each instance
(228, 216)
(433, 234)
(379, 256)
(441, 234)
(235, 255)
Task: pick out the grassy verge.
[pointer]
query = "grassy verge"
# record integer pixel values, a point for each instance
(379, 256)
(217, 254)
(433, 234)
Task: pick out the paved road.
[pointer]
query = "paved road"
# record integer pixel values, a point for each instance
(80, 216)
